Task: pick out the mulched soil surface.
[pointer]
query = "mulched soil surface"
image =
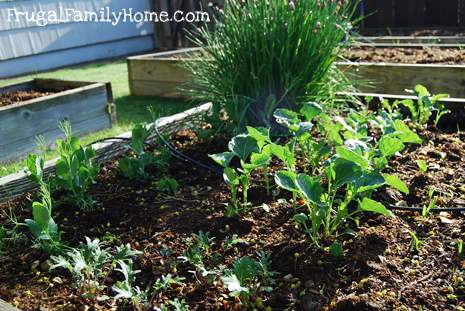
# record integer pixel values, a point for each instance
(11, 98)
(414, 32)
(406, 55)
(379, 270)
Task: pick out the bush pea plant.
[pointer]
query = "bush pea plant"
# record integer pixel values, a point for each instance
(42, 226)
(134, 166)
(76, 168)
(269, 54)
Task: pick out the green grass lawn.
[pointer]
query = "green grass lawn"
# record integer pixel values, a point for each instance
(130, 109)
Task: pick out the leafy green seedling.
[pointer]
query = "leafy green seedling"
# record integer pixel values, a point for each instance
(426, 210)
(459, 247)
(135, 166)
(422, 166)
(415, 242)
(76, 169)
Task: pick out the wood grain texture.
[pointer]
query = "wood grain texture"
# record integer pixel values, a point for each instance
(395, 78)
(410, 41)
(4, 306)
(85, 107)
(17, 184)
(159, 74)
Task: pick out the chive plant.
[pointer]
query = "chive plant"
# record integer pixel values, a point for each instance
(269, 54)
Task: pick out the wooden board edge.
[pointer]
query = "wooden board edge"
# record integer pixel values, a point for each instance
(162, 55)
(71, 92)
(5, 306)
(100, 149)
(451, 103)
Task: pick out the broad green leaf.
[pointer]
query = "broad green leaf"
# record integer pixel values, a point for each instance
(35, 167)
(369, 181)
(369, 205)
(33, 227)
(242, 146)
(222, 159)
(331, 129)
(310, 188)
(260, 159)
(300, 218)
(396, 182)
(352, 156)
(286, 180)
(344, 171)
(230, 176)
(260, 134)
(310, 110)
(62, 169)
(390, 145)
(41, 214)
(286, 117)
(405, 134)
(283, 153)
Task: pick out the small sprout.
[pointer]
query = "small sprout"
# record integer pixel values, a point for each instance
(423, 167)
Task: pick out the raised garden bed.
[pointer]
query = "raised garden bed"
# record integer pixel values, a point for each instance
(161, 74)
(36, 107)
(380, 269)
(158, 74)
(17, 184)
(412, 41)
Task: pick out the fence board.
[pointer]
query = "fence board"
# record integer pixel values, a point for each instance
(413, 13)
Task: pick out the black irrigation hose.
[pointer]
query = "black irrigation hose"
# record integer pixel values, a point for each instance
(433, 210)
(181, 156)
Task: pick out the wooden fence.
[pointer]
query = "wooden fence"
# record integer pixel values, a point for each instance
(377, 14)
(412, 13)
(169, 36)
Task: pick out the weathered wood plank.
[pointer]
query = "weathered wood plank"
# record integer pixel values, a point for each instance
(4, 306)
(168, 70)
(85, 106)
(159, 74)
(27, 85)
(17, 184)
(419, 41)
(157, 88)
(395, 78)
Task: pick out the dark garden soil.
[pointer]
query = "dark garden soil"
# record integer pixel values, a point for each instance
(413, 32)
(379, 271)
(406, 55)
(11, 98)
